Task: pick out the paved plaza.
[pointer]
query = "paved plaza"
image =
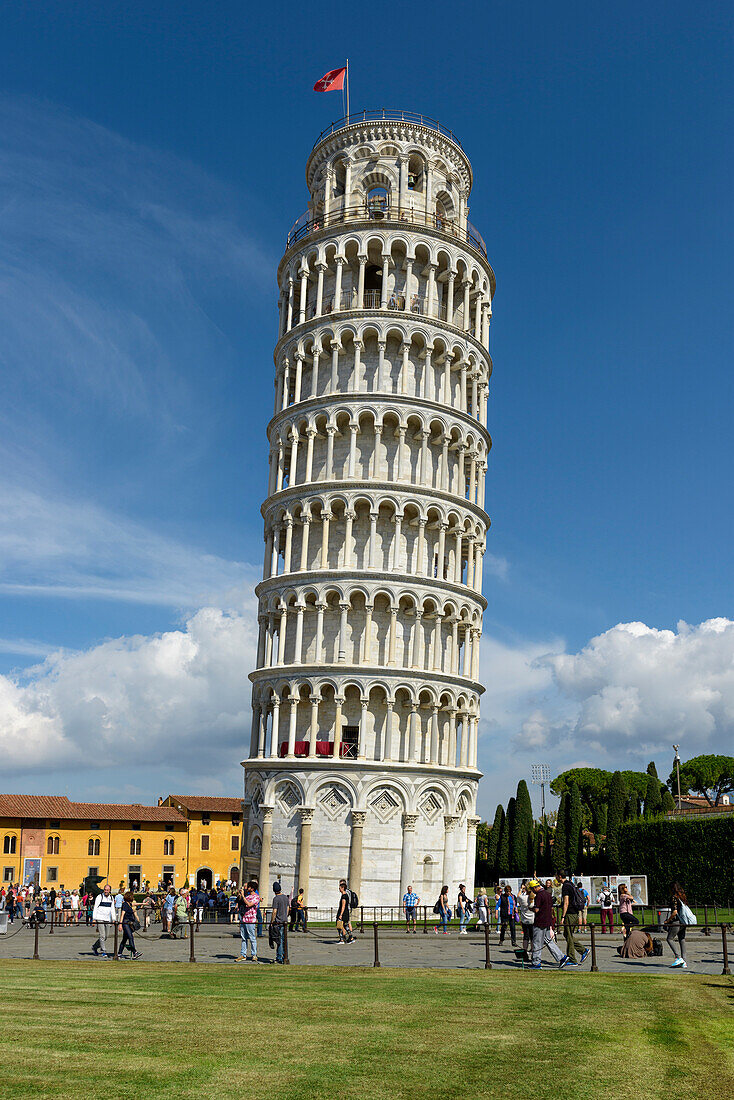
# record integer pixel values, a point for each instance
(318, 947)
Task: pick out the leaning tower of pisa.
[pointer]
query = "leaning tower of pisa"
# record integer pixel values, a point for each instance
(363, 753)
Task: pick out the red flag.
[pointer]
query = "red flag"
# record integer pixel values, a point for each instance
(331, 82)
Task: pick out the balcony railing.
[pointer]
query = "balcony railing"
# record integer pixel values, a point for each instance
(347, 751)
(388, 114)
(383, 212)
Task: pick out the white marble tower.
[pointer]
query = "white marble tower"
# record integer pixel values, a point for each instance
(363, 755)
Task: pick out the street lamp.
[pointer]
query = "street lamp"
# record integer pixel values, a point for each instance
(539, 776)
(677, 769)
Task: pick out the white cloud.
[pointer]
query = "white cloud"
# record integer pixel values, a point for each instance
(49, 546)
(178, 701)
(634, 690)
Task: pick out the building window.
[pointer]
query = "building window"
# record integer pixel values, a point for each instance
(94, 825)
(135, 846)
(52, 847)
(206, 819)
(52, 874)
(235, 819)
(93, 872)
(168, 847)
(93, 846)
(9, 843)
(205, 842)
(235, 844)
(8, 874)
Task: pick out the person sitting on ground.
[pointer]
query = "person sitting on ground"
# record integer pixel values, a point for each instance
(637, 945)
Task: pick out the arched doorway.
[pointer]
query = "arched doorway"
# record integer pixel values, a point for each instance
(204, 878)
(234, 875)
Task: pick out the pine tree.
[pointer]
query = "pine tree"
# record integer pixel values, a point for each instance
(521, 840)
(653, 798)
(494, 840)
(503, 851)
(615, 816)
(652, 770)
(573, 833)
(560, 844)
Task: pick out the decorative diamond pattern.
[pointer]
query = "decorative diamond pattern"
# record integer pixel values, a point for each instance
(431, 807)
(333, 802)
(384, 805)
(288, 798)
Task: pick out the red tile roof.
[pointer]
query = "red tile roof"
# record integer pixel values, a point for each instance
(204, 802)
(58, 806)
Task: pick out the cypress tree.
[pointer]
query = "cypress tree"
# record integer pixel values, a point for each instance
(615, 816)
(560, 846)
(653, 798)
(494, 840)
(503, 851)
(652, 770)
(573, 832)
(522, 838)
(667, 801)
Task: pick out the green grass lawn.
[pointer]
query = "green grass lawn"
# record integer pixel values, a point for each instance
(78, 1029)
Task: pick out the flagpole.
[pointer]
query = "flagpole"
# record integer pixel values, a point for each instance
(347, 84)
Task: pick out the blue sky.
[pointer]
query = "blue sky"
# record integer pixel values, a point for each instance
(151, 163)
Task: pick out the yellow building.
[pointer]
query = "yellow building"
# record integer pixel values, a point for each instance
(214, 836)
(56, 842)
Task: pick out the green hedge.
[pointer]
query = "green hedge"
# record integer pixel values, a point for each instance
(698, 852)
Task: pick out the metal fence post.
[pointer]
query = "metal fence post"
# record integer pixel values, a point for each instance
(51, 929)
(361, 919)
(706, 929)
(725, 948)
(286, 960)
(487, 961)
(377, 948)
(425, 920)
(192, 956)
(35, 945)
(592, 930)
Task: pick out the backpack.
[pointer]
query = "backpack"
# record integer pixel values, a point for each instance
(437, 907)
(353, 900)
(685, 915)
(657, 947)
(579, 898)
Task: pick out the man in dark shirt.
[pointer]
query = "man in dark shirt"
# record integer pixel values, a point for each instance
(571, 920)
(278, 920)
(343, 925)
(543, 908)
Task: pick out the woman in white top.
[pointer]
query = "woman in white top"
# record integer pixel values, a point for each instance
(482, 907)
(525, 900)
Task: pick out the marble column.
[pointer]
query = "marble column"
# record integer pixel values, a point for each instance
(471, 854)
(449, 878)
(355, 851)
(407, 859)
(264, 877)
(304, 855)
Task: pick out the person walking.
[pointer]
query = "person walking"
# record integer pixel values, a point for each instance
(104, 916)
(463, 909)
(627, 917)
(542, 935)
(527, 918)
(169, 904)
(606, 902)
(507, 914)
(679, 919)
(583, 912)
(278, 921)
(482, 906)
(343, 922)
(572, 904)
(248, 901)
(444, 911)
(411, 902)
(129, 924)
(301, 911)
